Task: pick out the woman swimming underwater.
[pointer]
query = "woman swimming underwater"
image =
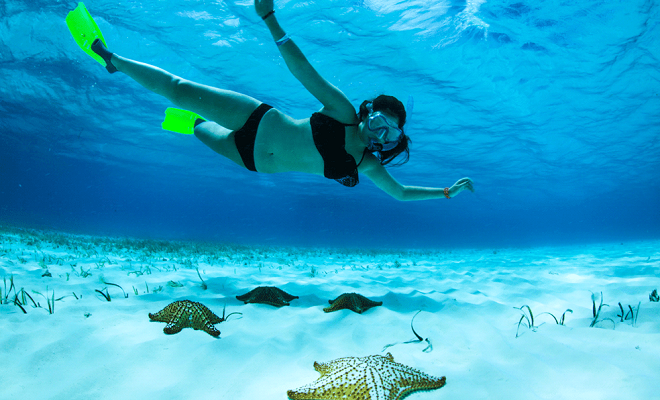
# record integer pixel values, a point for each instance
(335, 142)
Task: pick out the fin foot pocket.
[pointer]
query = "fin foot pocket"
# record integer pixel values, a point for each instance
(99, 48)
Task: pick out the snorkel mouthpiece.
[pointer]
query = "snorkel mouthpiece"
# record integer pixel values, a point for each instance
(375, 146)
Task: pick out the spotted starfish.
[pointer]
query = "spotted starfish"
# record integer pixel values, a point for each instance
(187, 314)
(267, 295)
(352, 301)
(365, 378)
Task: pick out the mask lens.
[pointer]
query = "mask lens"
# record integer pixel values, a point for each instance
(383, 129)
(378, 121)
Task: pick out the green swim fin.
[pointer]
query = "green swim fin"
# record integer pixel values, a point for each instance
(180, 121)
(84, 31)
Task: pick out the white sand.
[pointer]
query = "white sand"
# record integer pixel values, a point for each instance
(468, 298)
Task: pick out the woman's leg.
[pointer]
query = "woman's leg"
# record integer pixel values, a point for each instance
(219, 139)
(227, 108)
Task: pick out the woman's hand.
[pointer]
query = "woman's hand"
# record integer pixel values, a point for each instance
(263, 7)
(461, 185)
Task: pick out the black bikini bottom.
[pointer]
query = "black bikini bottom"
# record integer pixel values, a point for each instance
(245, 137)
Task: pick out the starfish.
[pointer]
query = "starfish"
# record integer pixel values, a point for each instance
(365, 378)
(188, 314)
(267, 295)
(352, 301)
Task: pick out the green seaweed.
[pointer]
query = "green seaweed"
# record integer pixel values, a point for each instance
(634, 321)
(203, 285)
(17, 303)
(114, 284)
(24, 300)
(105, 295)
(82, 273)
(418, 339)
(596, 311)
(428, 348)
(229, 315)
(524, 317)
(5, 299)
(558, 321)
(50, 300)
(527, 318)
(632, 314)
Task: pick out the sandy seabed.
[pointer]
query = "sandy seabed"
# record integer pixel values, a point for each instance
(67, 341)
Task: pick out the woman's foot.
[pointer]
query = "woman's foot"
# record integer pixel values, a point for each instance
(99, 48)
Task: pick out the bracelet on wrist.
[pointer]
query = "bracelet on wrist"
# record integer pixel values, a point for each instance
(446, 191)
(282, 40)
(268, 14)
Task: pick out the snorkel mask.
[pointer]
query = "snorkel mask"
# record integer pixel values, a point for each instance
(384, 135)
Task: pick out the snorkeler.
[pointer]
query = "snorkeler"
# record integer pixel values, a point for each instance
(261, 138)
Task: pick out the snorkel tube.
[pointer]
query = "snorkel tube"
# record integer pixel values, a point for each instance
(409, 110)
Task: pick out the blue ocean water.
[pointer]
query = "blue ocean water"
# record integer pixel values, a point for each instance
(551, 107)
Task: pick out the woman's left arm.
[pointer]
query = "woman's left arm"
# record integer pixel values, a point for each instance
(335, 103)
(386, 182)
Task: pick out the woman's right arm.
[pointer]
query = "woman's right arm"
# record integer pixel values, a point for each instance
(335, 103)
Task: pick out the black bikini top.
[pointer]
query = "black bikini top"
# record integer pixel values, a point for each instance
(330, 140)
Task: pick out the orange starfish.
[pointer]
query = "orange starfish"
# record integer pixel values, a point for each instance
(365, 378)
(188, 314)
(352, 301)
(267, 295)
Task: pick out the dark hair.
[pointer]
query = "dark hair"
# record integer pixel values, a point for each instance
(393, 106)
